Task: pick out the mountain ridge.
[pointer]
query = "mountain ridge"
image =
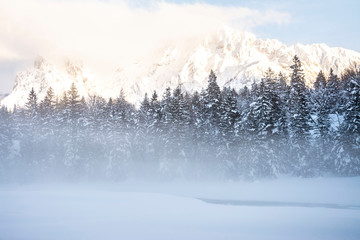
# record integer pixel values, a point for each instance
(237, 58)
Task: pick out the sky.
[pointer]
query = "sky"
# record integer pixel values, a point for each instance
(105, 34)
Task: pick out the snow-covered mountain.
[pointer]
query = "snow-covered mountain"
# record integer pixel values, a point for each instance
(238, 58)
(44, 75)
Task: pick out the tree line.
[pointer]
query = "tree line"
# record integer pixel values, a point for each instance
(277, 127)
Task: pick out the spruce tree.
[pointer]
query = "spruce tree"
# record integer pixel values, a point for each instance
(321, 108)
(30, 135)
(299, 120)
(71, 111)
(282, 91)
(48, 103)
(227, 138)
(32, 104)
(320, 82)
(213, 100)
(348, 142)
(333, 92)
(178, 143)
(74, 104)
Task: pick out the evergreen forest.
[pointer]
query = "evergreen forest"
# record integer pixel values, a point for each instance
(279, 126)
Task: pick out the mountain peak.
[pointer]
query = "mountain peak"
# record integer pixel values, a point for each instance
(39, 62)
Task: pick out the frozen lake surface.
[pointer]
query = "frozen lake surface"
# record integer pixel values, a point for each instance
(279, 204)
(324, 208)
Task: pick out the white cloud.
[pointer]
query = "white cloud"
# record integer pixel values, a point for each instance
(108, 33)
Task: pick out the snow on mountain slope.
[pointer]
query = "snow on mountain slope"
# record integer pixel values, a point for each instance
(238, 58)
(44, 75)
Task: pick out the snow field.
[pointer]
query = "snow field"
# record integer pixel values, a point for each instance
(133, 210)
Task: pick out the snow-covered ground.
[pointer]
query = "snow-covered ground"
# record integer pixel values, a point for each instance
(322, 208)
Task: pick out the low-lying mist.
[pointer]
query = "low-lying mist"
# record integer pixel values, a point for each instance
(271, 130)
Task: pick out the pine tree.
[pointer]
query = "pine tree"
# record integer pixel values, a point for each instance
(199, 154)
(47, 141)
(212, 106)
(70, 112)
(275, 120)
(63, 111)
(155, 132)
(282, 91)
(155, 111)
(272, 101)
(244, 99)
(254, 93)
(299, 120)
(229, 116)
(320, 82)
(333, 92)
(142, 147)
(248, 130)
(177, 144)
(97, 140)
(74, 104)
(123, 111)
(321, 108)
(31, 104)
(30, 135)
(48, 104)
(213, 100)
(165, 112)
(228, 140)
(348, 142)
